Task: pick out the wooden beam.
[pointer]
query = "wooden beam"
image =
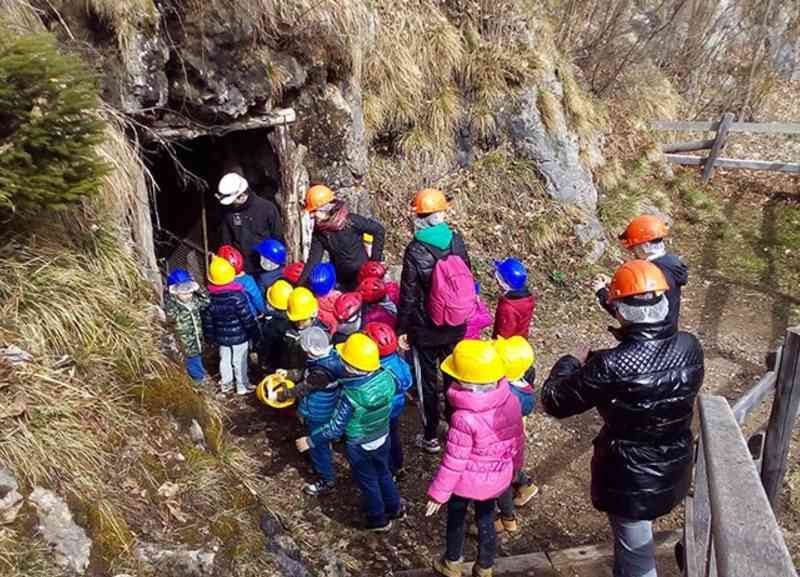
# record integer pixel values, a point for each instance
(751, 127)
(280, 117)
(753, 397)
(782, 417)
(590, 554)
(719, 142)
(701, 514)
(689, 160)
(294, 181)
(530, 564)
(690, 146)
(746, 537)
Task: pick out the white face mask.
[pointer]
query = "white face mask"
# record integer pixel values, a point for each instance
(268, 265)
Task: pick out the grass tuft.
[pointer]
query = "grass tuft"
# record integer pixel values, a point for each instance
(549, 109)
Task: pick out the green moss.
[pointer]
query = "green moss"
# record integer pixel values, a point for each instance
(109, 532)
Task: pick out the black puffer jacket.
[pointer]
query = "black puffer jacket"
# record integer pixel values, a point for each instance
(346, 249)
(247, 225)
(645, 390)
(415, 284)
(677, 274)
(227, 320)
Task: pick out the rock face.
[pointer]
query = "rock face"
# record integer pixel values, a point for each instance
(69, 541)
(11, 500)
(555, 152)
(191, 562)
(144, 83)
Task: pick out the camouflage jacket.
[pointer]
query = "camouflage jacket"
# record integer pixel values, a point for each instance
(188, 324)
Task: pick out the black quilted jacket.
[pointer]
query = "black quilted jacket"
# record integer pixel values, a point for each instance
(227, 321)
(415, 284)
(645, 390)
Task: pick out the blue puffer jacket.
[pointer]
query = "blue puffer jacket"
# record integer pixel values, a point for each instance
(255, 297)
(227, 321)
(523, 390)
(317, 406)
(267, 278)
(401, 372)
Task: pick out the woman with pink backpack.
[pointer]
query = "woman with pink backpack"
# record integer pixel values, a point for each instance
(437, 297)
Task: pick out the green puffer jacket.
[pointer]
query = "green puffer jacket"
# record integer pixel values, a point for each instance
(371, 398)
(188, 324)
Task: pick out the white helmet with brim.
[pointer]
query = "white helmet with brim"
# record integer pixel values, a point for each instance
(230, 187)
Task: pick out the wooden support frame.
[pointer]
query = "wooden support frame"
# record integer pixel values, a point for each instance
(719, 143)
(768, 165)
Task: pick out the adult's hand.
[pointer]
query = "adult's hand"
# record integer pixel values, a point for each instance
(432, 508)
(402, 343)
(582, 351)
(600, 282)
(302, 444)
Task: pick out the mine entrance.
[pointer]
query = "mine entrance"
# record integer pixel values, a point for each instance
(186, 214)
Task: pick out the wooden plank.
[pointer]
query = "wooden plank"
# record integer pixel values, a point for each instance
(530, 564)
(747, 539)
(782, 417)
(664, 540)
(689, 160)
(294, 181)
(701, 519)
(689, 546)
(719, 142)
(690, 146)
(279, 117)
(753, 397)
(750, 127)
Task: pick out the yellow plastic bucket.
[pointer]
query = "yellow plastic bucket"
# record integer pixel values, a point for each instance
(274, 382)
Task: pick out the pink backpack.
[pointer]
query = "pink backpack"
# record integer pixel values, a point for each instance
(452, 299)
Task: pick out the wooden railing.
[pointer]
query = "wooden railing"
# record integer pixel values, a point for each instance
(730, 528)
(723, 127)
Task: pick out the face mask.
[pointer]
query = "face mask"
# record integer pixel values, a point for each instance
(268, 265)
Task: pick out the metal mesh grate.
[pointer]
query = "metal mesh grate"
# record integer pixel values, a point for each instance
(180, 253)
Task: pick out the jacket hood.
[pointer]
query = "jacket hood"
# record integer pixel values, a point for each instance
(478, 402)
(439, 236)
(230, 287)
(522, 293)
(648, 332)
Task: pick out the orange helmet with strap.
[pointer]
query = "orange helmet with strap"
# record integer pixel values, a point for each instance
(429, 200)
(318, 196)
(645, 228)
(636, 277)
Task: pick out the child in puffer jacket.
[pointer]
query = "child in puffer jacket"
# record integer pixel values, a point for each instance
(272, 257)
(229, 323)
(386, 339)
(322, 282)
(255, 297)
(183, 305)
(517, 355)
(516, 305)
(484, 440)
(481, 319)
(274, 326)
(318, 394)
(378, 308)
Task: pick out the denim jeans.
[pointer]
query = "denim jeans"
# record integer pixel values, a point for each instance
(195, 368)
(505, 502)
(634, 550)
(233, 365)
(456, 528)
(322, 455)
(370, 469)
(395, 446)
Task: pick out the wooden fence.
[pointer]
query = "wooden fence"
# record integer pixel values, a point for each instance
(730, 527)
(722, 128)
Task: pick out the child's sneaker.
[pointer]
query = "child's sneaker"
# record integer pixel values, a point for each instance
(524, 494)
(448, 568)
(319, 488)
(506, 524)
(431, 446)
(478, 571)
(226, 388)
(385, 528)
(400, 515)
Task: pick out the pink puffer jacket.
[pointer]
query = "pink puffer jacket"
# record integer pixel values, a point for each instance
(485, 436)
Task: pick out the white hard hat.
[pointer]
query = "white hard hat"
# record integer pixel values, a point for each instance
(230, 186)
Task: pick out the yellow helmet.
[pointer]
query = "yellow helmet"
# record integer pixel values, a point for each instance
(516, 354)
(278, 294)
(361, 352)
(474, 362)
(220, 271)
(302, 304)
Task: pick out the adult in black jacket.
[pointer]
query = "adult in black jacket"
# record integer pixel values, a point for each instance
(249, 219)
(340, 234)
(433, 240)
(644, 389)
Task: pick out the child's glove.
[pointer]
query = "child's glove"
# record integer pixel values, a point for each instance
(302, 444)
(432, 508)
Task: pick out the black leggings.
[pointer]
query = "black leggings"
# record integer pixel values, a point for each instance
(484, 518)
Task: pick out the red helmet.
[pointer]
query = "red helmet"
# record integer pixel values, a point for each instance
(292, 272)
(384, 335)
(347, 306)
(372, 290)
(233, 256)
(372, 269)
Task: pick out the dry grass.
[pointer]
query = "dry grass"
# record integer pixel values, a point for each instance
(549, 109)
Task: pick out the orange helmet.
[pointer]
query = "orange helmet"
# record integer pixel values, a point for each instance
(642, 229)
(636, 277)
(317, 196)
(429, 200)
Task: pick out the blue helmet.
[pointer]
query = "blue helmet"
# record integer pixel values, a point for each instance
(179, 276)
(273, 250)
(513, 273)
(322, 279)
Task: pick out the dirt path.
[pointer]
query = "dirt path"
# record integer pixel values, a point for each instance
(738, 302)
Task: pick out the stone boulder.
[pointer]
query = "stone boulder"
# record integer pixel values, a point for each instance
(69, 541)
(11, 500)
